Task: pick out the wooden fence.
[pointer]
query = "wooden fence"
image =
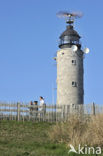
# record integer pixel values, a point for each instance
(48, 113)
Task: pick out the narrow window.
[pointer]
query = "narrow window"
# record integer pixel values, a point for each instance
(74, 62)
(72, 105)
(74, 84)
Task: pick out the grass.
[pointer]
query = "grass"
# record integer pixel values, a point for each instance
(29, 139)
(79, 130)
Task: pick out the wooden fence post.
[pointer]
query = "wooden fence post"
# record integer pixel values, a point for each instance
(93, 108)
(18, 111)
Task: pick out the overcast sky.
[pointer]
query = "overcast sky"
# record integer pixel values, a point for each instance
(29, 34)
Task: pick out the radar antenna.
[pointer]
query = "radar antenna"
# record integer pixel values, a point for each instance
(69, 16)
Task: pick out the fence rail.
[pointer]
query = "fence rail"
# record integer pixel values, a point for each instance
(48, 113)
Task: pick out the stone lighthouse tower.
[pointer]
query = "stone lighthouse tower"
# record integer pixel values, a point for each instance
(70, 71)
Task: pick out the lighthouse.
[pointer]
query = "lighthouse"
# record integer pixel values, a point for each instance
(70, 70)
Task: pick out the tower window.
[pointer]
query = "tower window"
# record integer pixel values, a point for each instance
(74, 84)
(73, 105)
(74, 62)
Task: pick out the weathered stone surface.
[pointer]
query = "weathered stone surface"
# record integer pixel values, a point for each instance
(68, 72)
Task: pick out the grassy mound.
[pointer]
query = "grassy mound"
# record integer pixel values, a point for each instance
(32, 139)
(28, 138)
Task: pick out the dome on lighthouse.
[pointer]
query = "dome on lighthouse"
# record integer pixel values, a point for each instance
(69, 37)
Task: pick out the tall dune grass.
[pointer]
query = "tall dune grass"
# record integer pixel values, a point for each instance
(79, 130)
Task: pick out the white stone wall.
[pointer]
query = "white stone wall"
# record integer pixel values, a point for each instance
(68, 72)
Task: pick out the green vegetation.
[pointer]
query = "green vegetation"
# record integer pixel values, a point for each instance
(29, 139)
